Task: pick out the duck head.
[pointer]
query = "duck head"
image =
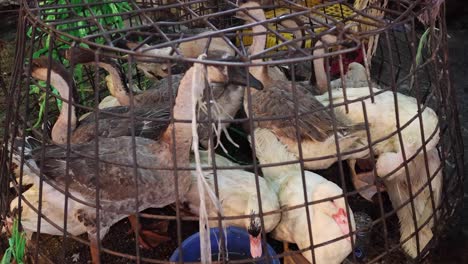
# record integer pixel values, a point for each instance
(231, 74)
(334, 210)
(116, 83)
(40, 66)
(81, 55)
(255, 235)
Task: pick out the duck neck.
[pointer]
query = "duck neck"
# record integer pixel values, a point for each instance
(182, 111)
(293, 24)
(270, 150)
(319, 66)
(258, 46)
(60, 128)
(117, 88)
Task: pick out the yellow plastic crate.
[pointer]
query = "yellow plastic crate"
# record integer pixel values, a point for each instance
(272, 40)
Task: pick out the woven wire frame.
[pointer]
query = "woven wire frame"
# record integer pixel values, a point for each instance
(159, 24)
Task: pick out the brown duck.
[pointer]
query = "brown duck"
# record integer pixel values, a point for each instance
(89, 171)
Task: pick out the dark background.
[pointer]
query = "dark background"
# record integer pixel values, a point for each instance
(455, 249)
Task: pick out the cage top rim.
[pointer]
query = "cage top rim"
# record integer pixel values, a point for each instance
(287, 59)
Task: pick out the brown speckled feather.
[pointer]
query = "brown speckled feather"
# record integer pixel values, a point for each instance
(276, 101)
(154, 103)
(159, 95)
(117, 183)
(110, 125)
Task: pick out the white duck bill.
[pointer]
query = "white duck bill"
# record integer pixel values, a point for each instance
(255, 246)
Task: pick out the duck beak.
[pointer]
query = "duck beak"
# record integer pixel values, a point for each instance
(255, 246)
(341, 219)
(238, 76)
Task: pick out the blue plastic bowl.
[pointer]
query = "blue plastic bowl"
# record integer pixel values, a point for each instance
(237, 243)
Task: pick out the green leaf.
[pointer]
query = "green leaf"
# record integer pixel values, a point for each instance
(59, 102)
(17, 243)
(20, 248)
(7, 256)
(40, 52)
(422, 43)
(34, 89)
(11, 242)
(79, 29)
(41, 113)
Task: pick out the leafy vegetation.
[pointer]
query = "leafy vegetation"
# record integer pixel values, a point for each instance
(17, 243)
(422, 43)
(64, 18)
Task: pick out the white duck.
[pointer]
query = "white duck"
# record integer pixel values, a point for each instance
(238, 196)
(397, 189)
(328, 219)
(389, 151)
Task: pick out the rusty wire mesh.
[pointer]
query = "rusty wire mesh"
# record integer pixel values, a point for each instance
(395, 63)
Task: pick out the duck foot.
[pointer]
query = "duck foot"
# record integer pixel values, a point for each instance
(149, 239)
(287, 259)
(95, 256)
(152, 237)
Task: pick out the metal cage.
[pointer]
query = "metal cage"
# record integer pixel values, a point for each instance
(401, 45)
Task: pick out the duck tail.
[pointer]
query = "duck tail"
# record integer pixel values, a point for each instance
(29, 144)
(16, 149)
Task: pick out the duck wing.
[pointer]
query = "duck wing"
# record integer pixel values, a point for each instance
(111, 171)
(275, 101)
(149, 122)
(160, 94)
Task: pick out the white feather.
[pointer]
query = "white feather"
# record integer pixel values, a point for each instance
(399, 194)
(237, 193)
(382, 122)
(286, 180)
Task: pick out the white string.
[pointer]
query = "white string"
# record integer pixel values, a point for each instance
(217, 128)
(198, 86)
